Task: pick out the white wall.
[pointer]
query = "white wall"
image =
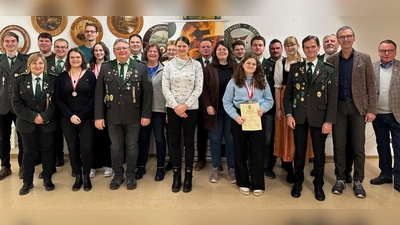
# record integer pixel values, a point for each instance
(369, 30)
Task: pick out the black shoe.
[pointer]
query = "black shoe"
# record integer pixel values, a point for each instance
(359, 191)
(290, 177)
(40, 175)
(87, 184)
(312, 173)
(349, 178)
(59, 162)
(187, 183)
(116, 182)
(338, 187)
(177, 181)
(140, 172)
(4, 172)
(200, 165)
(397, 187)
(160, 173)
(25, 189)
(381, 180)
(319, 194)
(131, 183)
(48, 185)
(296, 191)
(269, 173)
(169, 166)
(78, 183)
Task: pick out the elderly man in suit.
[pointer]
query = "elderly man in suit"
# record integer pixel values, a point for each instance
(124, 88)
(356, 107)
(310, 102)
(12, 63)
(387, 121)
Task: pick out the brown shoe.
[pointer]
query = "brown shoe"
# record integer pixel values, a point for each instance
(4, 172)
(199, 165)
(21, 173)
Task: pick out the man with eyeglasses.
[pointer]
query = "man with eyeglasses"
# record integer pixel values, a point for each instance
(257, 47)
(124, 89)
(310, 102)
(356, 106)
(387, 121)
(91, 33)
(12, 64)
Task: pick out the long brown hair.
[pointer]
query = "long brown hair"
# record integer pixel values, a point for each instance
(239, 75)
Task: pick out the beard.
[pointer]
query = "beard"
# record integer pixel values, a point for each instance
(330, 50)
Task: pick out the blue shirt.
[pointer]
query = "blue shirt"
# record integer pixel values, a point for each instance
(234, 96)
(345, 76)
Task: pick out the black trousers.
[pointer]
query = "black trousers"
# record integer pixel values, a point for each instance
(269, 127)
(249, 143)
(5, 135)
(202, 134)
(80, 144)
(36, 141)
(318, 144)
(175, 123)
(101, 149)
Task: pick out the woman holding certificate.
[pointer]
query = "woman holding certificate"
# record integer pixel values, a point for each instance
(246, 99)
(74, 97)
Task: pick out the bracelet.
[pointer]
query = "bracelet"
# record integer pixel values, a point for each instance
(278, 109)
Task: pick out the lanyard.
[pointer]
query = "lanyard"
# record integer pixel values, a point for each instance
(77, 81)
(250, 93)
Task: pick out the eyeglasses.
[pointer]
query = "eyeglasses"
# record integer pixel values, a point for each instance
(60, 47)
(121, 48)
(390, 51)
(90, 31)
(345, 37)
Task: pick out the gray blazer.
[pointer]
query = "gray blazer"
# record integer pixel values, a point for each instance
(394, 90)
(363, 84)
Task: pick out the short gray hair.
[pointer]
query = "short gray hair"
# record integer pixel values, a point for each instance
(345, 28)
(120, 40)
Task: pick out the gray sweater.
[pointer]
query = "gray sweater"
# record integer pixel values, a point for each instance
(158, 97)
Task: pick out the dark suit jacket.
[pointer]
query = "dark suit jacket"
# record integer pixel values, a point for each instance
(200, 59)
(394, 89)
(27, 107)
(7, 78)
(315, 101)
(363, 84)
(127, 103)
(210, 95)
(268, 67)
(51, 65)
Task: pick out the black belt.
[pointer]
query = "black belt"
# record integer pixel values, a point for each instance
(345, 99)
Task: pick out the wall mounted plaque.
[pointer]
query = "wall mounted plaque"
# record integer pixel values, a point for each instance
(53, 25)
(125, 26)
(78, 29)
(24, 39)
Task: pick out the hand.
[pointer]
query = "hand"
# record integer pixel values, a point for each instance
(369, 117)
(166, 118)
(38, 119)
(291, 122)
(240, 120)
(144, 121)
(100, 124)
(211, 111)
(260, 112)
(326, 128)
(279, 115)
(75, 120)
(180, 110)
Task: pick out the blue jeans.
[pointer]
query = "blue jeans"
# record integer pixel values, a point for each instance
(223, 130)
(383, 125)
(158, 125)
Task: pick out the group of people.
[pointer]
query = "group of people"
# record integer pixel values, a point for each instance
(118, 103)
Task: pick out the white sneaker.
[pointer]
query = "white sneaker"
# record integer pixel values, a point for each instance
(92, 173)
(258, 193)
(244, 190)
(108, 172)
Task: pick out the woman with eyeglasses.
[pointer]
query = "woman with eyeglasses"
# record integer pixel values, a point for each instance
(216, 120)
(284, 140)
(152, 54)
(101, 144)
(75, 89)
(171, 51)
(182, 84)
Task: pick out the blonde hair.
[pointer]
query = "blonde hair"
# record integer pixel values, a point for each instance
(170, 42)
(33, 58)
(292, 40)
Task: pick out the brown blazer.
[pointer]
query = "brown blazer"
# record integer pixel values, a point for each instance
(363, 84)
(394, 90)
(210, 95)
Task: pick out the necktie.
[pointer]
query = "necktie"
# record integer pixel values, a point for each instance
(309, 71)
(59, 66)
(38, 89)
(121, 73)
(135, 57)
(207, 62)
(12, 61)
